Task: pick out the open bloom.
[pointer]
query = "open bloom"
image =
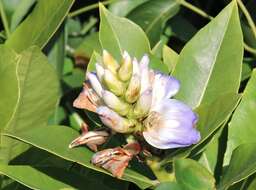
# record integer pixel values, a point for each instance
(129, 97)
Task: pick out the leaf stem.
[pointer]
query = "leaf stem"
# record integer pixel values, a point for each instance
(88, 8)
(194, 9)
(249, 49)
(247, 16)
(4, 20)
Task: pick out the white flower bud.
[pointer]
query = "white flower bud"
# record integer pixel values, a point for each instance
(99, 71)
(95, 83)
(115, 103)
(143, 104)
(133, 91)
(125, 70)
(113, 84)
(115, 121)
(109, 62)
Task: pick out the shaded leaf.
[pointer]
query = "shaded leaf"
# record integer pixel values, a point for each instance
(81, 155)
(169, 186)
(20, 11)
(89, 44)
(122, 8)
(152, 15)
(190, 175)
(242, 165)
(242, 126)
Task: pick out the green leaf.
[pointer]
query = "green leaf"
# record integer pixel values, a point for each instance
(122, 8)
(45, 18)
(242, 165)
(210, 63)
(169, 186)
(50, 178)
(190, 175)
(19, 173)
(36, 88)
(20, 11)
(8, 95)
(242, 126)
(213, 115)
(80, 155)
(89, 44)
(170, 58)
(152, 15)
(118, 34)
(56, 53)
(210, 156)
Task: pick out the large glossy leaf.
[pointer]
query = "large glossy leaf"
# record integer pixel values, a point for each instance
(152, 15)
(20, 174)
(50, 178)
(242, 126)
(210, 63)
(190, 175)
(45, 18)
(59, 147)
(242, 165)
(118, 34)
(36, 95)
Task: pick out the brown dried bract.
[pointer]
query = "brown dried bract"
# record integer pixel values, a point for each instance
(87, 99)
(115, 160)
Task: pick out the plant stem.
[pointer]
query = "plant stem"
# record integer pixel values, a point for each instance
(249, 49)
(247, 16)
(4, 20)
(194, 9)
(88, 8)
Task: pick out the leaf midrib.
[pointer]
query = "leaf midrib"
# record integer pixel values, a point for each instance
(215, 58)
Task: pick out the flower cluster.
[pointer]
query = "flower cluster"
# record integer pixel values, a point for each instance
(132, 98)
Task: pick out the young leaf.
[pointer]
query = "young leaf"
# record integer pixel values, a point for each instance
(242, 126)
(45, 18)
(170, 58)
(242, 165)
(210, 63)
(118, 34)
(190, 175)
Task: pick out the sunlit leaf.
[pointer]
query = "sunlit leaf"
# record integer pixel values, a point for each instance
(210, 63)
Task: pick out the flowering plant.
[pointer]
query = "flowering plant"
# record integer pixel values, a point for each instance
(131, 98)
(143, 95)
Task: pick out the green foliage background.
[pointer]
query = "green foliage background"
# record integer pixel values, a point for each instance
(46, 46)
